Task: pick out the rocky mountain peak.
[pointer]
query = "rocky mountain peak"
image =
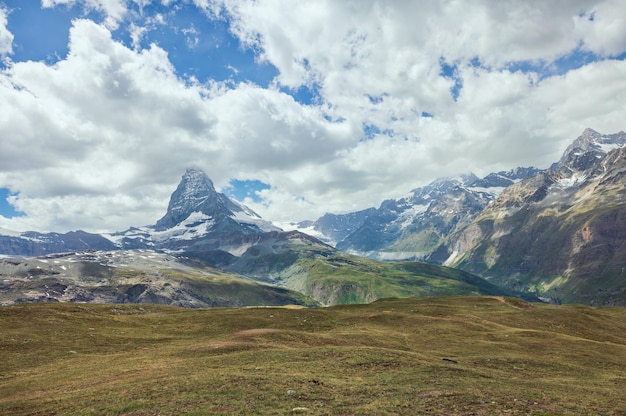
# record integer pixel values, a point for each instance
(594, 143)
(197, 209)
(583, 156)
(195, 192)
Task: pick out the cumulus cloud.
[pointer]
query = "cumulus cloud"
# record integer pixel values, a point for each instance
(602, 28)
(405, 92)
(105, 129)
(104, 121)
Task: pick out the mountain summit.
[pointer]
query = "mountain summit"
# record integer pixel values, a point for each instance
(580, 158)
(196, 198)
(195, 193)
(197, 215)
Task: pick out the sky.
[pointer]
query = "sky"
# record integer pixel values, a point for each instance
(295, 108)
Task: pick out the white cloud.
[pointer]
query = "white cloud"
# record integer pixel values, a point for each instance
(6, 37)
(105, 121)
(603, 28)
(99, 140)
(136, 35)
(109, 130)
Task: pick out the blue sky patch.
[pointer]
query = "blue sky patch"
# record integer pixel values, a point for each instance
(450, 71)
(6, 209)
(572, 61)
(30, 23)
(240, 190)
(203, 48)
(306, 94)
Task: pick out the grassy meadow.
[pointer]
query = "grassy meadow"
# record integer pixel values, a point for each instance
(436, 356)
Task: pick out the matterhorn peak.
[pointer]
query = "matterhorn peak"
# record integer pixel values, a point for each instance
(195, 193)
(195, 198)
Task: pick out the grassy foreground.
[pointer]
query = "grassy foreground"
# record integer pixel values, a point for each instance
(439, 356)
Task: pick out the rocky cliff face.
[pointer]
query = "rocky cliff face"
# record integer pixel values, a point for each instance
(559, 233)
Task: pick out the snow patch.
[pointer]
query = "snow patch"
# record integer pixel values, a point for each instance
(238, 250)
(407, 217)
(573, 180)
(607, 147)
(195, 225)
(246, 216)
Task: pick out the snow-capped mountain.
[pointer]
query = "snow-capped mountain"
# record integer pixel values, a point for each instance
(31, 243)
(196, 215)
(560, 232)
(196, 197)
(332, 228)
(412, 226)
(204, 230)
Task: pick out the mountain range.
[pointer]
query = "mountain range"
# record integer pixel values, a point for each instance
(556, 233)
(560, 233)
(208, 250)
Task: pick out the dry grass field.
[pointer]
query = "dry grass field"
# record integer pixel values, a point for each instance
(435, 356)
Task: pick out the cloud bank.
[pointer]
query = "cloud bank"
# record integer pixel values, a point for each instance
(399, 93)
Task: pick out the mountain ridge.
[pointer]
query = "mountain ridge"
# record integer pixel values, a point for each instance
(559, 233)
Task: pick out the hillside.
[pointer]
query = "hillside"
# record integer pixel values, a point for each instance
(559, 233)
(438, 356)
(281, 269)
(132, 276)
(306, 265)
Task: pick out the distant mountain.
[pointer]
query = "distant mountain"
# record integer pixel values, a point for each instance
(32, 243)
(413, 226)
(560, 233)
(332, 228)
(195, 200)
(197, 218)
